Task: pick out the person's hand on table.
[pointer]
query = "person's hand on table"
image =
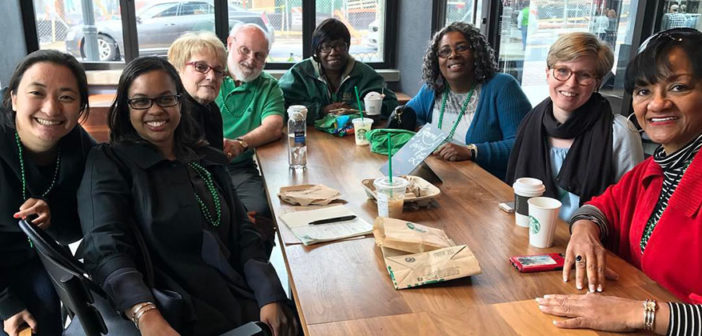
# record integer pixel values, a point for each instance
(35, 206)
(18, 322)
(232, 148)
(453, 152)
(279, 318)
(589, 256)
(335, 106)
(594, 311)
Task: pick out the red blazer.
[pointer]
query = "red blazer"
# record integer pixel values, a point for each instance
(673, 256)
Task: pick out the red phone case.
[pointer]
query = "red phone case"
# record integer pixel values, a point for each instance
(538, 262)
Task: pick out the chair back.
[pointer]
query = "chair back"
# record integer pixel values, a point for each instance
(83, 299)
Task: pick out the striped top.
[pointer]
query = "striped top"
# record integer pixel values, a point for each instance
(685, 319)
(674, 166)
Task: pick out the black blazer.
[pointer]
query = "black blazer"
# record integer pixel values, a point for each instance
(65, 228)
(209, 119)
(215, 269)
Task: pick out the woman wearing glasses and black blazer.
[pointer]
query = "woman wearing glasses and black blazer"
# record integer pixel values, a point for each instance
(158, 180)
(464, 95)
(572, 141)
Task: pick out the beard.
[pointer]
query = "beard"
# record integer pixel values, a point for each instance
(244, 73)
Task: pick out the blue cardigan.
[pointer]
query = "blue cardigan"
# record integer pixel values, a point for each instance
(501, 107)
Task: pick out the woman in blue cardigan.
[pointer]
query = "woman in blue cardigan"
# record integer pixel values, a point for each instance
(464, 96)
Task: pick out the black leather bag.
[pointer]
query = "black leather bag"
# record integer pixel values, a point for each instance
(403, 117)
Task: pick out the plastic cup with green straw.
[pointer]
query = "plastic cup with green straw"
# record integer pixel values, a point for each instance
(358, 101)
(390, 159)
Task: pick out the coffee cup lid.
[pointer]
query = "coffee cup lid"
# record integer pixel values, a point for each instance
(528, 186)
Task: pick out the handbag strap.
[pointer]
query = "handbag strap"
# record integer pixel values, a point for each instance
(148, 266)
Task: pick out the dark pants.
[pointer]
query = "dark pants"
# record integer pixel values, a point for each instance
(31, 285)
(249, 186)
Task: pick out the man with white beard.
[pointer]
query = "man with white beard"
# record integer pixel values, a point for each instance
(252, 107)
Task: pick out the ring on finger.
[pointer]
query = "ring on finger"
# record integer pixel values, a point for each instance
(579, 259)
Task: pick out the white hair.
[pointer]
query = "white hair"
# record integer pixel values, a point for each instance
(241, 26)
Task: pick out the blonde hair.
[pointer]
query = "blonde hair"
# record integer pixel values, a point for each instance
(570, 46)
(189, 44)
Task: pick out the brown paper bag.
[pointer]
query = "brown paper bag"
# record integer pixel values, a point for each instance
(308, 194)
(409, 270)
(409, 237)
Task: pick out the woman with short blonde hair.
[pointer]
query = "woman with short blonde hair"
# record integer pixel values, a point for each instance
(572, 141)
(200, 59)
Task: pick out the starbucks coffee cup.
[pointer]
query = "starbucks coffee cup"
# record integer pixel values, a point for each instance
(543, 212)
(524, 189)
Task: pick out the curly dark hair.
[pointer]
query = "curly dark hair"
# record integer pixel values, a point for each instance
(484, 65)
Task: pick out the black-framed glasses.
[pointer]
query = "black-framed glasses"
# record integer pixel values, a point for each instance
(446, 51)
(144, 103)
(339, 46)
(583, 78)
(204, 68)
(676, 35)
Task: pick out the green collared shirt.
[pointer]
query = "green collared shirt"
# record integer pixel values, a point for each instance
(243, 107)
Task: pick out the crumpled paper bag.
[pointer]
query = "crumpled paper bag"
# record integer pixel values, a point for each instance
(440, 264)
(308, 194)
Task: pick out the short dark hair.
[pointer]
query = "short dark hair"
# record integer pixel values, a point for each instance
(121, 128)
(651, 64)
(48, 56)
(330, 29)
(484, 66)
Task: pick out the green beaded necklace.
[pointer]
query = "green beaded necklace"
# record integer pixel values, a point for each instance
(23, 176)
(207, 177)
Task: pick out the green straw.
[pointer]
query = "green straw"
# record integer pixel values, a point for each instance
(390, 157)
(358, 101)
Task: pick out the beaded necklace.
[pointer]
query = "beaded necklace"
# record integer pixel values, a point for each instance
(23, 176)
(206, 176)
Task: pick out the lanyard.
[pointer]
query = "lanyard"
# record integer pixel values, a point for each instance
(460, 115)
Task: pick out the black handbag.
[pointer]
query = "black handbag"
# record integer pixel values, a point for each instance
(403, 117)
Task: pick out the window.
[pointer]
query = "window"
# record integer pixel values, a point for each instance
(64, 25)
(460, 11)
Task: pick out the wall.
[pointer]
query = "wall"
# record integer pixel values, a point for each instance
(12, 38)
(414, 32)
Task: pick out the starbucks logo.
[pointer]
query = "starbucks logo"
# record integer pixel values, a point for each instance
(534, 225)
(361, 134)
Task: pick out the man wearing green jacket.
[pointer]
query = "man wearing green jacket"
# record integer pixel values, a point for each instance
(326, 80)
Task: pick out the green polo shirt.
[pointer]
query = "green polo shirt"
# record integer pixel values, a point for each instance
(244, 106)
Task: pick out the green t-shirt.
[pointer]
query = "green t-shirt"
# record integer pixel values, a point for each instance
(243, 107)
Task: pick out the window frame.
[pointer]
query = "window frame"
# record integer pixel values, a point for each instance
(221, 15)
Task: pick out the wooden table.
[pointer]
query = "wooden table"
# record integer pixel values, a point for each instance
(343, 287)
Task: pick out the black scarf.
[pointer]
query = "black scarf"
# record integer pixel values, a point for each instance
(588, 168)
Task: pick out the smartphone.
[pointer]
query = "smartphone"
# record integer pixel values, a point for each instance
(538, 262)
(507, 207)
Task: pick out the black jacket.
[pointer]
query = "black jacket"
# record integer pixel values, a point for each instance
(65, 228)
(209, 118)
(214, 269)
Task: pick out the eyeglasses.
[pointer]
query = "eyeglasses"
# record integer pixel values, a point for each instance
(144, 103)
(204, 68)
(246, 52)
(583, 78)
(446, 51)
(338, 46)
(676, 35)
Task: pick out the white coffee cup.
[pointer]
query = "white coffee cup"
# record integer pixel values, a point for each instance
(373, 102)
(524, 189)
(543, 212)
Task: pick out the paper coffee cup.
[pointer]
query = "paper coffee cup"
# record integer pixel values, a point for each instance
(361, 126)
(524, 189)
(373, 102)
(390, 196)
(543, 212)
